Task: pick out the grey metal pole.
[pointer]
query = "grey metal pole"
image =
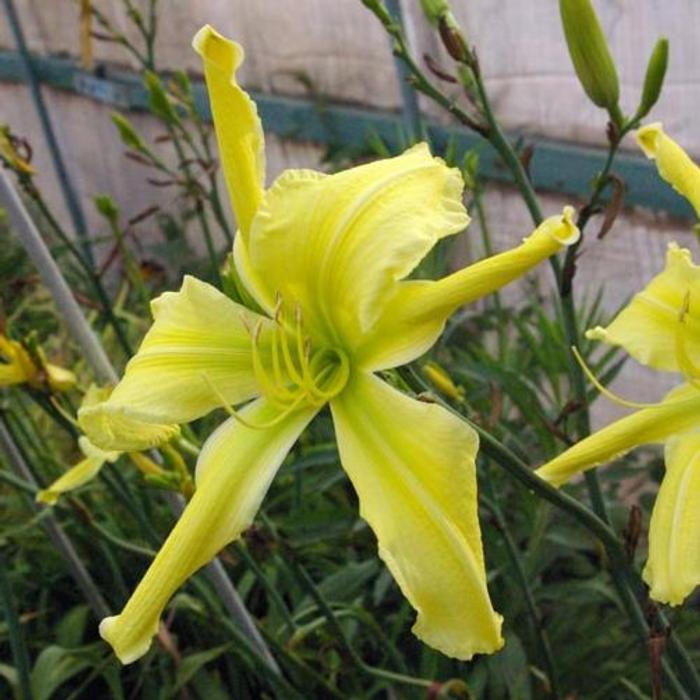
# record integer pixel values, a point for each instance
(84, 336)
(31, 240)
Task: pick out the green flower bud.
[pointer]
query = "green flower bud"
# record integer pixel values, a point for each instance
(452, 38)
(434, 10)
(654, 79)
(105, 205)
(589, 53)
(158, 99)
(127, 133)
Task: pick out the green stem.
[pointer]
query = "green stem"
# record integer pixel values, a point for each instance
(92, 277)
(18, 644)
(540, 634)
(276, 598)
(614, 548)
(306, 581)
(199, 211)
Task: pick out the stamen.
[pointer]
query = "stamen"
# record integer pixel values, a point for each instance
(292, 370)
(243, 421)
(606, 392)
(267, 386)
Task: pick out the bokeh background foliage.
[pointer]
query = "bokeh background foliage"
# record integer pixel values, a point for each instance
(308, 571)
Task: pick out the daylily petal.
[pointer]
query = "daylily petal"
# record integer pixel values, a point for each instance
(80, 474)
(336, 244)
(673, 568)
(679, 412)
(11, 374)
(412, 465)
(414, 316)
(234, 471)
(648, 326)
(238, 130)
(199, 339)
(672, 161)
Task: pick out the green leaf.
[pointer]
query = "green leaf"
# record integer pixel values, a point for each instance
(56, 665)
(70, 630)
(192, 664)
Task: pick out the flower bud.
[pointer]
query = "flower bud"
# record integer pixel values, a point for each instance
(105, 205)
(127, 133)
(435, 10)
(453, 39)
(654, 78)
(589, 53)
(158, 99)
(442, 381)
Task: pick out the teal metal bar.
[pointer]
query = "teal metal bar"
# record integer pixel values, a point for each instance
(555, 166)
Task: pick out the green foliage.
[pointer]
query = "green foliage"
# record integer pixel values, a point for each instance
(308, 570)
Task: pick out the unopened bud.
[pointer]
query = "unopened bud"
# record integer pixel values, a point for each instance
(654, 78)
(442, 381)
(127, 133)
(158, 99)
(589, 53)
(59, 378)
(453, 39)
(105, 205)
(435, 10)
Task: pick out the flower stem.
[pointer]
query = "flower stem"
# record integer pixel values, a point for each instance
(540, 634)
(614, 548)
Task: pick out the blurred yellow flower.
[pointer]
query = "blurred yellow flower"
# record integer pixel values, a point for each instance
(324, 257)
(18, 367)
(94, 458)
(660, 328)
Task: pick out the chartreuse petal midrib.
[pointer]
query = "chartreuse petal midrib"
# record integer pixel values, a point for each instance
(325, 256)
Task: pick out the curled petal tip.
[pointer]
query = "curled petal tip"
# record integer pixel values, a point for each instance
(46, 497)
(567, 232)
(647, 138)
(112, 630)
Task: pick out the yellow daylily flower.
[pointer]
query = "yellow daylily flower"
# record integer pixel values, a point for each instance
(85, 470)
(18, 367)
(660, 328)
(95, 458)
(673, 163)
(325, 257)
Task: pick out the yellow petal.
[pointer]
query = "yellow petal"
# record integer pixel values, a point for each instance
(84, 471)
(677, 413)
(60, 378)
(647, 327)
(412, 465)
(11, 374)
(199, 338)
(672, 161)
(336, 244)
(413, 318)
(234, 471)
(17, 367)
(673, 567)
(238, 130)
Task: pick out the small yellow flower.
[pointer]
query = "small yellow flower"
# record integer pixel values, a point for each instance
(95, 458)
(660, 328)
(85, 470)
(325, 257)
(18, 367)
